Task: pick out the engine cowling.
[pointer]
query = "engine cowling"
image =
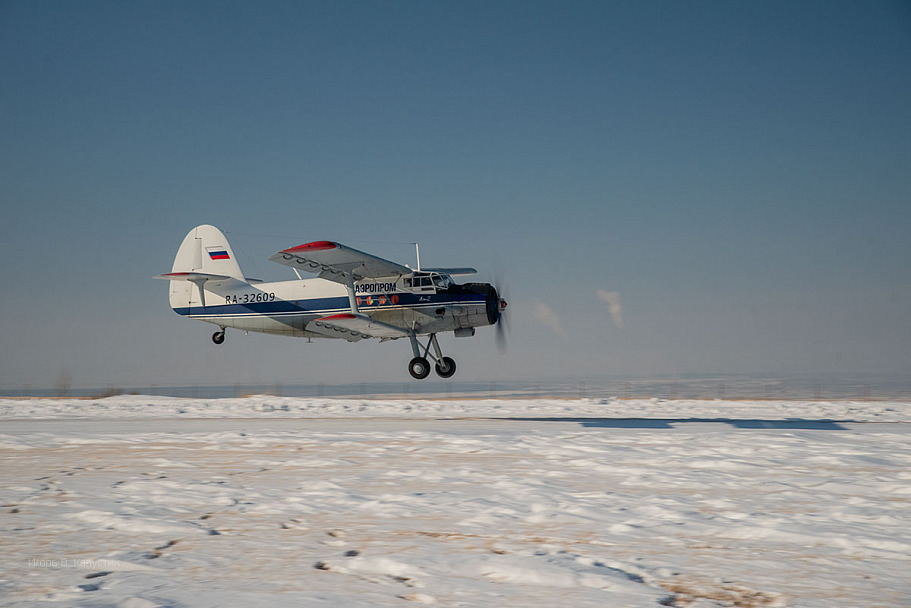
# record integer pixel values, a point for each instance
(492, 302)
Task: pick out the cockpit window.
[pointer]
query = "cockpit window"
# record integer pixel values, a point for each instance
(439, 281)
(428, 282)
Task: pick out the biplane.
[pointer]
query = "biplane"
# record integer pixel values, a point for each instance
(354, 296)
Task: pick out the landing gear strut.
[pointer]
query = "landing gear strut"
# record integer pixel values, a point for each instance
(419, 367)
(219, 336)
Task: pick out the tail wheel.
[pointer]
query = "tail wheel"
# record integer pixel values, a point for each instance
(419, 368)
(446, 367)
(218, 337)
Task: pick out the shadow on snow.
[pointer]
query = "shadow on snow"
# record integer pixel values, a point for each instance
(668, 423)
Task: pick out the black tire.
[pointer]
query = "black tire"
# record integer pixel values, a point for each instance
(447, 369)
(218, 337)
(419, 368)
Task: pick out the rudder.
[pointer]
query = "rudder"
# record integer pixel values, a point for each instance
(206, 250)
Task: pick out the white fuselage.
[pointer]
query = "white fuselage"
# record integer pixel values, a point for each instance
(286, 307)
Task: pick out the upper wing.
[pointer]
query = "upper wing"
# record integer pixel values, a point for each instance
(452, 271)
(336, 262)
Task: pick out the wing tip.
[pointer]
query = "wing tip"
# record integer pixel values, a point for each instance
(314, 246)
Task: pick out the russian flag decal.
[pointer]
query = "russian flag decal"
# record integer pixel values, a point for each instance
(218, 253)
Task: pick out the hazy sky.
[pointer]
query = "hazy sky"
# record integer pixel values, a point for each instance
(663, 187)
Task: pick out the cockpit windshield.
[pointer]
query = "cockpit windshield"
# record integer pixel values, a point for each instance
(429, 282)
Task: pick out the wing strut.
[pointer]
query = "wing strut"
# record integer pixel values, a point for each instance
(352, 299)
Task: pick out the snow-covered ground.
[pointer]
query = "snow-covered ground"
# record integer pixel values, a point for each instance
(268, 406)
(139, 501)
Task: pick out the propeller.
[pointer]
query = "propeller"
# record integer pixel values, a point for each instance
(502, 327)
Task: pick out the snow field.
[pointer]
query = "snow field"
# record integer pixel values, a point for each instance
(268, 406)
(611, 511)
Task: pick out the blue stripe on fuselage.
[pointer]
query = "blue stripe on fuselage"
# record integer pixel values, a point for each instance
(325, 305)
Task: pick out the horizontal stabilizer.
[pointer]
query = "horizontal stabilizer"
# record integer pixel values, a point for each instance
(354, 327)
(219, 282)
(193, 276)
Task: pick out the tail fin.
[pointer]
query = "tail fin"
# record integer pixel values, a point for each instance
(206, 251)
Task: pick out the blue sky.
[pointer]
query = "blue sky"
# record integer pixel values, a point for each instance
(736, 175)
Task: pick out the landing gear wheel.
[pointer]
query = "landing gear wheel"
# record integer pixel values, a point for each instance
(419, 368)
(218, 337)
(446, 367)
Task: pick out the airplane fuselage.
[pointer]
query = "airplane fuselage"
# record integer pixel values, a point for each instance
(286, 307)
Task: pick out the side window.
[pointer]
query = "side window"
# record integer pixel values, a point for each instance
(422, 283)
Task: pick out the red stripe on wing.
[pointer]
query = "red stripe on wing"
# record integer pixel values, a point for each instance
(314, 246)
